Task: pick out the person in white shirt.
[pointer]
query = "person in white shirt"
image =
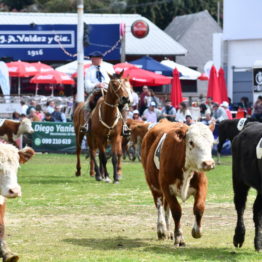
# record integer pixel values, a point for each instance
(150, 114)
(96, 78)
(182, 112)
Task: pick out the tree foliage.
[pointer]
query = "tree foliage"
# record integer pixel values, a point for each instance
(160, 12)
(16, 4)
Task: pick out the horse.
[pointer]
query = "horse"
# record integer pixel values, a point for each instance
(105, 128)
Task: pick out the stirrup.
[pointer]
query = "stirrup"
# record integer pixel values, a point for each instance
(126, 131)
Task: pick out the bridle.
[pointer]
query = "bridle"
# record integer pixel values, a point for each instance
(121, 86)
(118, 114)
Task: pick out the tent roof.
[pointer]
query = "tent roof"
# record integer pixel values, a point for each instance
(187, 73)
(148, 63)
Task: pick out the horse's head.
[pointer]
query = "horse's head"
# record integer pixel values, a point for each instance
(121, 88)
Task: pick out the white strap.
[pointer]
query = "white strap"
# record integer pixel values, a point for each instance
(118, 116)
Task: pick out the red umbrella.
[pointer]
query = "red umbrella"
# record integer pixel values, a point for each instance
(213, 86)
(203, 77)
(40, 67)
(176, 92)
(123, 66)
(85, 67)
(52, 77)
(222, 84)
(20, 69)
(140, 77)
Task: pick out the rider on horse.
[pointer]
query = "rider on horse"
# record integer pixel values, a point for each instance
(96, 82)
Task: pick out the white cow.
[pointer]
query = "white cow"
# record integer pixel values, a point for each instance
(10, 159)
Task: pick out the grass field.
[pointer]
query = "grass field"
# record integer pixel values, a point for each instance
(65, 218)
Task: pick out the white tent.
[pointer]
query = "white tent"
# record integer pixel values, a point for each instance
(187, 73)
(71, 68)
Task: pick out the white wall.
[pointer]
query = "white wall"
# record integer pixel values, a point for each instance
(242, 19)
(242, 53)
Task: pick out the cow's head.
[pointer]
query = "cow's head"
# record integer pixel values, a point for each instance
(10, 158)
(199, 142)
(25, 127)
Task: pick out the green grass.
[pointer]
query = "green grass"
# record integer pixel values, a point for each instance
(64, 218)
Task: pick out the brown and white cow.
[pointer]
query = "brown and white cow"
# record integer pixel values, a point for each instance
(11, 130)
(174, 157)
(10, 159)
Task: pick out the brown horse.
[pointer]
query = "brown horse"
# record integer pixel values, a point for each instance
(106, 124)
(78, 122)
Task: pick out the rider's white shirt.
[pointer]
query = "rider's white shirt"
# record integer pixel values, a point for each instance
(90, 77)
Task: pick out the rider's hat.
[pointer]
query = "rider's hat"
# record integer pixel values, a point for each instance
(96, 54)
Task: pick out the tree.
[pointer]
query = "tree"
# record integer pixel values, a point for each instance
(17, 4)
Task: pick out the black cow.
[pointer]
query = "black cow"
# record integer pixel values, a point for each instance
(247, 172)
(228, 129)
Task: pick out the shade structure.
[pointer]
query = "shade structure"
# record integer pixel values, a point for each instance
(203, 77)
(150, 64)
(186, 72)
(21, 69)
(70, 68)
(213, 86)
(41, 67)
(52, 77)
(140, 77)
(85, 67)
(222, 84)
(176, 91)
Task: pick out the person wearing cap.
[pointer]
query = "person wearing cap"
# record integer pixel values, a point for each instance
(150, 114)
(96, 79)
(219, 113)
(136, 115)
(225, 105)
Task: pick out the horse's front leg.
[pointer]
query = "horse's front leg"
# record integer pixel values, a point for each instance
(103, 162)
(93, 158)
(116, 158)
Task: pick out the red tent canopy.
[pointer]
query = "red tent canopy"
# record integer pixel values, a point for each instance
(213, 86)
(176, 92)
(52, 77)
(40, 67)
(140, 77)
(21, 69)
(222, 84)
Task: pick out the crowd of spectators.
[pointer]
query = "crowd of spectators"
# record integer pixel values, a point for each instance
(149, 107)
(50, 112)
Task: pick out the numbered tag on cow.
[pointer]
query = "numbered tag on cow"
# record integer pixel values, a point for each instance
(241, 123)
